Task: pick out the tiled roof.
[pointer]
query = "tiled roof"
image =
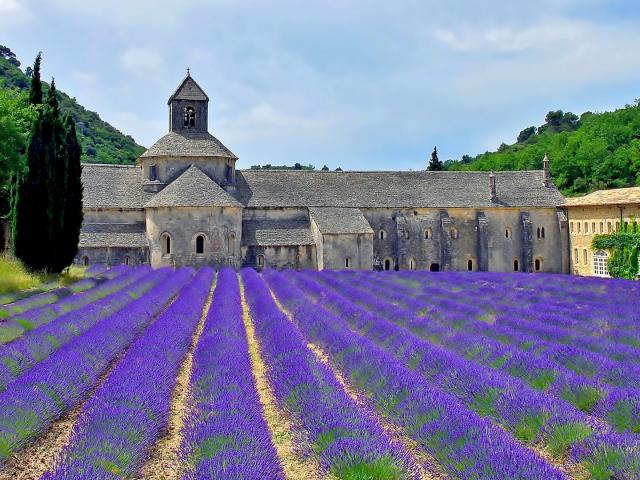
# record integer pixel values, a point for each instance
(188, 143)
(332, 220)
(616, 196)
(193, 189)
(276, 232)
(113, 186)
(188, 90)
(95, 235)
(260, 188)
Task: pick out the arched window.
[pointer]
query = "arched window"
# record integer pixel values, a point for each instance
(231, 243)
(608, 227)
(571, 227)
(428, 234)
(579, 227)
(593, 227)
(200, 244)
(189, 117)
(127, 260)
(165, 241)
(470, 265)
(507, 233)
(434, 267)
(382, 234)
(537, 264)
(347, 262)
(601, 227)
(585, 256)
(542, 232)
(586, 228)
(600, 264)
(388, 264)
(516, 265)
(412, 264)
(261, 260)
(576, 257)
(85, 261)
(617, 226)
(453, 233)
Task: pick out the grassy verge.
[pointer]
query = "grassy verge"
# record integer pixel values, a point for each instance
(15, 277)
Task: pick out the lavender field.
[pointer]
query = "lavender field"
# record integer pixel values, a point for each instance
(183, 374)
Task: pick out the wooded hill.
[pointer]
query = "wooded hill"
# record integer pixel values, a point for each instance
(101, 143)
(591, 152)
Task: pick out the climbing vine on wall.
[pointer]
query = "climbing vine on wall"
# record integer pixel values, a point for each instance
(623, 247)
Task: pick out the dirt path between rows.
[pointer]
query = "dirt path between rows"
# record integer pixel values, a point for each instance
(423, 466)
(282, 430)
(31, 462)
(164, 462)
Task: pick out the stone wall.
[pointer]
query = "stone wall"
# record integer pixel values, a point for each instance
(112, 256)
(170, 168)
(358, 248)
(220, 226)
(298, 257)
(582, 219)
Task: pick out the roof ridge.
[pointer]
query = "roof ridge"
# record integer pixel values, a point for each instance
(110, 165)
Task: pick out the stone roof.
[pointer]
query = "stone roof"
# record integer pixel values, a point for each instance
(188, 143)
(95, 235)
(192, 189)
(421, 189)
(276, 232)
(188, 90)
(113, 186)
(332, 220)
(615, 196)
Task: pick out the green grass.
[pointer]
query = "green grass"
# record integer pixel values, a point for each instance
(528, 428)
(484, 405)
(565, 435)
(622, 419)
(15, 277)
(584, 398)
(383, 468)
(603, 464)
(543, 380)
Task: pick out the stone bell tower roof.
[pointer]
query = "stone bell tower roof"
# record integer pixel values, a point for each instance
(188, 90)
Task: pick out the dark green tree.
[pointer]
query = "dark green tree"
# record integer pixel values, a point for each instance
(435, 164)
(35, 93)
(72, 215)
(526, 134)
(325, 168)
(31, 219)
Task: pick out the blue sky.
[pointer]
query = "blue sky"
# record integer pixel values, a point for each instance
(366, 85)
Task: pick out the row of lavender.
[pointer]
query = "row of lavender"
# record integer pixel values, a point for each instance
(465, 444)
(529, 414)
(599, 386)
(60, 381)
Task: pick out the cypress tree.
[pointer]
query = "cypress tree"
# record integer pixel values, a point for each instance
(435, 164)
(72, 213)
(35, 92)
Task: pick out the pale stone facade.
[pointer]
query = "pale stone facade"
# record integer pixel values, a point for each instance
(186, 204)
(600, 212)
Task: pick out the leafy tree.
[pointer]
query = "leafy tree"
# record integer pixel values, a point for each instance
(325, 168)
(7, 54)
(503, 147)
(435, 164)
(35, 92)
(526, 134)
(16, 117)
(624, 248)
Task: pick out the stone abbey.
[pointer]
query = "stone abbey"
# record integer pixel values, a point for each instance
(185, 203)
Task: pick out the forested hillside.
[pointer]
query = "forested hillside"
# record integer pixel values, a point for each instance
(590, 152)
(101, 143)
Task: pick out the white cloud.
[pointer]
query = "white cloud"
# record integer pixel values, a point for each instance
(13, 13)
(141, 61)
(264, 122)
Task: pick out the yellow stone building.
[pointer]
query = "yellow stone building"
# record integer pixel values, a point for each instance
(599, 212)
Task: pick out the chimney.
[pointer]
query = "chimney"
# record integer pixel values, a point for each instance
(546, 175)
(492, 186)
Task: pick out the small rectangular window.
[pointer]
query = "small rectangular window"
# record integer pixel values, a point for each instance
(585, 256)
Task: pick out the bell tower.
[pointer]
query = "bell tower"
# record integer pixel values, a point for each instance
(188, 108)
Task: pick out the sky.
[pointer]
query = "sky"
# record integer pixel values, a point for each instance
(361, 85)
